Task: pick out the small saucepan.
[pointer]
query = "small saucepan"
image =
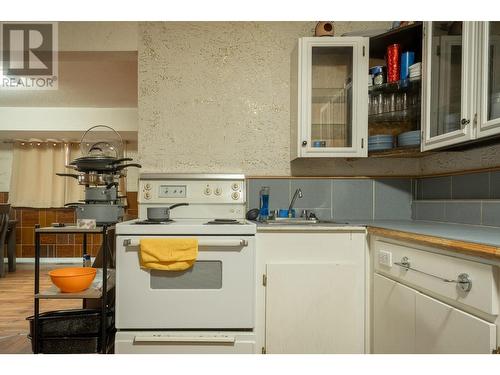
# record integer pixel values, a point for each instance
(162, 213)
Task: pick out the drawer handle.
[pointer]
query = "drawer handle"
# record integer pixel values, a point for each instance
(463, 281)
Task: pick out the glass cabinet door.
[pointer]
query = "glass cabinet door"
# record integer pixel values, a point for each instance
(447, 112)
(489, 110)
(336, 87)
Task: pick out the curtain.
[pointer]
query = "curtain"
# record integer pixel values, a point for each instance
(34, 182)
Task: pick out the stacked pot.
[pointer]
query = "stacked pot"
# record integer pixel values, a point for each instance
(99, 169)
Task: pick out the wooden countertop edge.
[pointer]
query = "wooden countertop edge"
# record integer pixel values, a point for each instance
(469, 248)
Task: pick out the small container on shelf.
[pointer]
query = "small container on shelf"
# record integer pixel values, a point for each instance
(393, 62)
(378, 74)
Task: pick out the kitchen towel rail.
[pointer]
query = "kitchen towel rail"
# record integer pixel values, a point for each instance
(201, 243)
(463, 280)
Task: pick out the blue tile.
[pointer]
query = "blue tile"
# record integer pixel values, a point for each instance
(436, 188)
(495, 185)
(491, 213)
(470, 186)
(393, 199)
(317, 193)
(417, 189)
(352, 199)
(433, 211)
(278, 196)
(463, 212)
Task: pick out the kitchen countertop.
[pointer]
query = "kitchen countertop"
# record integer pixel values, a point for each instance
(477, 240)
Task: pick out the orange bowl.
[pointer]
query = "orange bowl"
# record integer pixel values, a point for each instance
(72, 279)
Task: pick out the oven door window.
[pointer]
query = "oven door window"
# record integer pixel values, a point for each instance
(203, 275)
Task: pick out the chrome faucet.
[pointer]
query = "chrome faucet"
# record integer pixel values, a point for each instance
(298, 193)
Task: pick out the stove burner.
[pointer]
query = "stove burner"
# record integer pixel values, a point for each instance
(224, 221)
(147, 221)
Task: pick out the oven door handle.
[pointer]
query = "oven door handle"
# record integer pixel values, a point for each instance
(201, 243)
(186, 339)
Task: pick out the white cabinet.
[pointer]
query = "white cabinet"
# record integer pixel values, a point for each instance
(421, 310)
(489, 69)
(313, 300)
(443, 329)
(461, 87)
(393, 317)
(329, 90)
(448, 87)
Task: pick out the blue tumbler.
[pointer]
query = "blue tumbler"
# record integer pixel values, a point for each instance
(407, 59)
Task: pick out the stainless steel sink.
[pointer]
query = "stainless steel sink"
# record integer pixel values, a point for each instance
(292, 221)
(300, 221)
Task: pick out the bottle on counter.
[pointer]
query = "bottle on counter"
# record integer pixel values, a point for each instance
(86, 260)
(264, 203)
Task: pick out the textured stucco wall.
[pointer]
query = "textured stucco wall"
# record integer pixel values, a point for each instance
(476, 158)
(215, 97)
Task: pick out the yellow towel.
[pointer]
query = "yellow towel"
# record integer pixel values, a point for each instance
(171, 254)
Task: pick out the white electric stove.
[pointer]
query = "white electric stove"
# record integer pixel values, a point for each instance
(208, 308)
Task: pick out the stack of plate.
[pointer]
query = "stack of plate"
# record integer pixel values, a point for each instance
(380, 142)
(409, 138)
(415, 70)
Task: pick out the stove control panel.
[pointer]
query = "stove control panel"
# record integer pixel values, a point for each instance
(200, 191)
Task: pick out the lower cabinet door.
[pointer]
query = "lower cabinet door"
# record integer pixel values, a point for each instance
(440, 328)
(393, 317)
(314, 308)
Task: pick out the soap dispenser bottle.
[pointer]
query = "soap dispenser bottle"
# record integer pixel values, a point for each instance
(264, 203)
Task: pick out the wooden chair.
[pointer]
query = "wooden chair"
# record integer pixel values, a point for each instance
(4, 225)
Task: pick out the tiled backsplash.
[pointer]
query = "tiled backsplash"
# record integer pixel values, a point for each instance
(339, 199)
(472, 198)
(61, 245)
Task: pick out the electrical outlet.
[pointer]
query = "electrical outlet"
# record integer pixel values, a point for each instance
(385, 258)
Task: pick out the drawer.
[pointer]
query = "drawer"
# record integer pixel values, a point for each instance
(482, 296)
(182, 342)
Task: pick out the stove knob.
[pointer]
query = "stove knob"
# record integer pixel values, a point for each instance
(147, 186)
(235, 186)
(235, 195)
(207, 191)
(218, 191)
(147, 195)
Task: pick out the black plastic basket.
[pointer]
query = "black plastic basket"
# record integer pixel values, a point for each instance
(70, 331)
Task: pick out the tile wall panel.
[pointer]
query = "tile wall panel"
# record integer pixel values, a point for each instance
(61, 245)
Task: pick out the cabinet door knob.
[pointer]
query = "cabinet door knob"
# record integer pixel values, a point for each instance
(304, 143)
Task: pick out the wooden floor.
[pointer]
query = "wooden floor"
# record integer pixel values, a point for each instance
(16, 303)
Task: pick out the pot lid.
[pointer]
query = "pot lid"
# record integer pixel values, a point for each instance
(101, 141)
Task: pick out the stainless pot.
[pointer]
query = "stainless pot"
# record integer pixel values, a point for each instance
(93, 179)
(162, 213)
(103, 213)
(100, 194)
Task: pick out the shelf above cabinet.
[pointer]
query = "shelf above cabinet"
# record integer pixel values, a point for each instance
(399, 152)
(406, 85)
(405, 115)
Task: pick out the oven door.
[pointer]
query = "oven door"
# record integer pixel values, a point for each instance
(218, 292)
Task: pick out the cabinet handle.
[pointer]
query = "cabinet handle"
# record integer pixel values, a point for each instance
(463, 281)
(304, 143)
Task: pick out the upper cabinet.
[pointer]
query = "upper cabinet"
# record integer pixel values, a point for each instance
(489, 69)
(448, 94)
(329, 90)
(461, 88)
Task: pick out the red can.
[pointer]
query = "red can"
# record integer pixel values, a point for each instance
(393, 62)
